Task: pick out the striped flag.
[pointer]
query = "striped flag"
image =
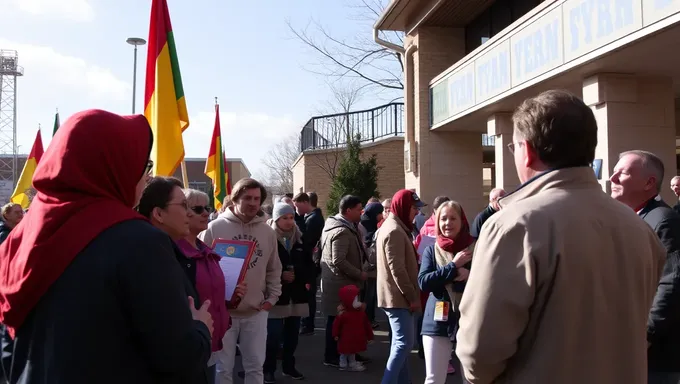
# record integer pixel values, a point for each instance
(165, 106)
(56, 124)
(25, 183)
(216, 166)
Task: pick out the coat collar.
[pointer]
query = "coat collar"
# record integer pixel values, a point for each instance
(562, 178)
(651, 205)
(400, 224)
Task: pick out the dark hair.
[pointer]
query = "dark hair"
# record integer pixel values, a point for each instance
(373, 200)
(313, 199)
(289, 195)
(560, 127)
(301, 198)
(245, 184)
(268, 209)
(348, 202)
(438, 201)
(157, 194)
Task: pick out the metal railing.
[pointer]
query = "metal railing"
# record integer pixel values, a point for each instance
(332, 131)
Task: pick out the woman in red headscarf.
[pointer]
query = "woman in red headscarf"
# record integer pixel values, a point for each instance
(89, 290)
(397, 280)
(443, 272)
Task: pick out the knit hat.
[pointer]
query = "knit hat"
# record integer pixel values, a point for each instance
(281, 209)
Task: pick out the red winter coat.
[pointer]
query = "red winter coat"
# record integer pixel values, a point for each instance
(352, 327)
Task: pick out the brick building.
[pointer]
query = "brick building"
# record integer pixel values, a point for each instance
(469, 63)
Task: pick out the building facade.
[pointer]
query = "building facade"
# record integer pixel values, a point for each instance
(469, 63)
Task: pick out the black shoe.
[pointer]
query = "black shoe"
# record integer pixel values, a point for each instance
(335, 363)
(293, 374)
(363, 360)
(375, 325)
(306, 331)
(269, 378)
(242, 374)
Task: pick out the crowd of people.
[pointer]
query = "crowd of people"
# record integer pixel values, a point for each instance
(111, 277)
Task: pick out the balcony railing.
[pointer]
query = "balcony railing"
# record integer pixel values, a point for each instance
(332, 131)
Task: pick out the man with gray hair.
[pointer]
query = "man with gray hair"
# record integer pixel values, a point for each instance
(636, 182)
(675, 187)
(493, 207)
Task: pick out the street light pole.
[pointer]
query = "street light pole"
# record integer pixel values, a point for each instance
(135, 41)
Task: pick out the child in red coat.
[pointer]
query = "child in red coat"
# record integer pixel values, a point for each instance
(351, 329)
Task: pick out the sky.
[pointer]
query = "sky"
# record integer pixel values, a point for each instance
(75, 57)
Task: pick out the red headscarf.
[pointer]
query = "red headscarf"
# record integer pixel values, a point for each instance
(85, 182)
(401, 207)
(462, 241)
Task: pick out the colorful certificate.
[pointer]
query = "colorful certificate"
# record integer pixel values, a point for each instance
(235, 257)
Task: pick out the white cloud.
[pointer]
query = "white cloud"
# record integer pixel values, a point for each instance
(56, 80)
(245, 135)
(73, 10)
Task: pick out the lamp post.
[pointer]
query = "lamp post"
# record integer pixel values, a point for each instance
(135, 41)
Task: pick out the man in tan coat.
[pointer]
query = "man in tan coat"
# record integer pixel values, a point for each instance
(563, 277)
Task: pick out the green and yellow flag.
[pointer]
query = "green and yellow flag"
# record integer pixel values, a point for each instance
(165, 107)
(216, 166)
(56, 124)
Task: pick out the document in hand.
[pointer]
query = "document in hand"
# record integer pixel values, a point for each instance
(235, 258)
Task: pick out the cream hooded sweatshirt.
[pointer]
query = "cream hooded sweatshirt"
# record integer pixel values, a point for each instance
(264, 272)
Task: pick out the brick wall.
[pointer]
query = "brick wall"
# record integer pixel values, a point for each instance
(309, 171)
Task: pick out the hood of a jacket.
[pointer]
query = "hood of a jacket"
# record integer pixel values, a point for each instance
(347, 295)
(335, 222)
(229, 215)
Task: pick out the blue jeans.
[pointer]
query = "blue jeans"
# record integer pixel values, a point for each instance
(403, 335)
(284, 330)
(663, 378)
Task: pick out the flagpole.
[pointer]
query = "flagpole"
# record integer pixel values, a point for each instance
(185, 178)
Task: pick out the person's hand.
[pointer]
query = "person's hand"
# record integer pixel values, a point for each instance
(414, 307)
(341, 309)
(240, 291)
(364, 276)
(463, 257)
(463, 274)
(308, 286)
(266, 306)
(336, 338)
(288, 276)
(202, 313)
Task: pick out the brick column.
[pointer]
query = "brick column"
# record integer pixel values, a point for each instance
(633, 113)
(447, 163)
(500, 126)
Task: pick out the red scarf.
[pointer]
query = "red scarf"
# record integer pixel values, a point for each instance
(86, 182)
(401, 207)
(462, 241)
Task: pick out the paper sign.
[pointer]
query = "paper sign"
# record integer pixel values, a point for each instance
(425, 241)
(234, 259)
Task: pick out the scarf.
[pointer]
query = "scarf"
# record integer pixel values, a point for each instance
(401, 207)
(446, 249)
(85, 184)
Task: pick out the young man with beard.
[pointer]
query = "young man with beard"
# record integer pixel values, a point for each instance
(243, 221)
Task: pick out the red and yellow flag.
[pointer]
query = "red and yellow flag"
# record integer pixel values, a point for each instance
(165, 107)
(216, 166)
(25, 182)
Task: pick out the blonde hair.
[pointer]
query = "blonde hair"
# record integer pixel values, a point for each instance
(5, 208)
(448, 204)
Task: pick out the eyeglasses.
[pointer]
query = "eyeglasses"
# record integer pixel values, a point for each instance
(200, 209)
(149, 167)
(183, 204)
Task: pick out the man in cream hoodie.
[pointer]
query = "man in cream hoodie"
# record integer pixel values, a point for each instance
(243, 221)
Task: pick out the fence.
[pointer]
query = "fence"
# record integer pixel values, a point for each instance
(332, 131)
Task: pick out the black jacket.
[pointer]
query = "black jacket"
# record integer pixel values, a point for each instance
(663, 325)
(118, 314)
(303, 267)
(314, 223)
(479, 221)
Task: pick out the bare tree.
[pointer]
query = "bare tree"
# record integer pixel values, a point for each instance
(337, 128)
(359, 58)
(278, 164)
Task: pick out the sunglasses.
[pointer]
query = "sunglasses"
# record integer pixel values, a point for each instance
(200, 209)
(149, 167)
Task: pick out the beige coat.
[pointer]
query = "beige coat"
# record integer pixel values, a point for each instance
(560, 288)
(342, 255)
(397, 266)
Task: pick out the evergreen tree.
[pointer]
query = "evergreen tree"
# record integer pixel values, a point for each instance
(353, 177)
